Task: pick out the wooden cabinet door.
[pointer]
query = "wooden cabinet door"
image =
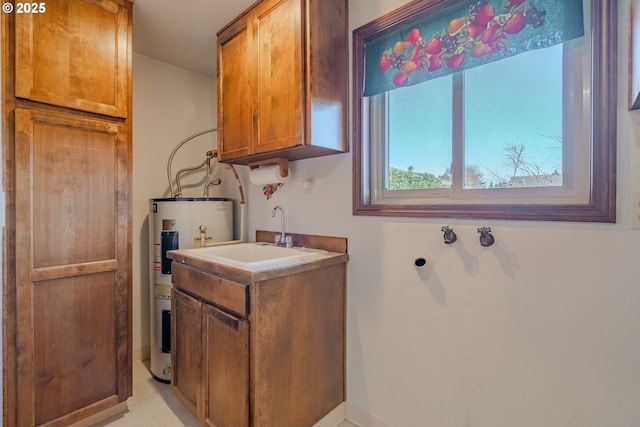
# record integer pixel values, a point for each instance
(236, 72)
(226, 346)
(72, 266)
(186, 351)
(75, 55)
(277, 35)
(283, 81)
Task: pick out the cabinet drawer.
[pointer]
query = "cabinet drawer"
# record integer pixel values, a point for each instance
(216, 290)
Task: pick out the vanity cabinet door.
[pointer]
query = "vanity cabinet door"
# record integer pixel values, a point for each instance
(209, 361)
(186, 353)
(75, 54)
(226, 368)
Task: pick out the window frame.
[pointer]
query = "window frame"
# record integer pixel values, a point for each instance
(601, 205)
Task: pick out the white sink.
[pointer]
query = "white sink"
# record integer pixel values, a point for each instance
(250, 252)
(254, 256)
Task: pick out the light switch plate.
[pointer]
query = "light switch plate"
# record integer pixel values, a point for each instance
(635, 211)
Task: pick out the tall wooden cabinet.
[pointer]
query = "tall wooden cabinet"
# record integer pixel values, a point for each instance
(67, 177)
(283, 81)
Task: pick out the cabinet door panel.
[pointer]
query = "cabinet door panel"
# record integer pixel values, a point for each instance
(89, 69)
(226, 342)
(74, 199)
(297, 347)
(74, 366)
(235, 90)
(186, 351)
(72, 283)
(277, 35)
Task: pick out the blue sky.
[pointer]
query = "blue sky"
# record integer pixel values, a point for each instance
(511, 101)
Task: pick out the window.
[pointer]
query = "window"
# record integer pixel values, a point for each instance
(507, 140)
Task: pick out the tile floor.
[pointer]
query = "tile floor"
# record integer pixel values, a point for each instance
(153, 405)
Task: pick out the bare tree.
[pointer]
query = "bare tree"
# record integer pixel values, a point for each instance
(524, 172)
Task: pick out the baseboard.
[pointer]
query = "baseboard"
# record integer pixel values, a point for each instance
(142, 353)
(101, 416)
(353, 414)
(333, 418)
(358, 416)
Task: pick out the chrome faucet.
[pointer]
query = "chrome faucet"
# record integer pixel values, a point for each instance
(282, 239)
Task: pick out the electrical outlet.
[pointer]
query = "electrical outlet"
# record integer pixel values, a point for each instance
(635, 210)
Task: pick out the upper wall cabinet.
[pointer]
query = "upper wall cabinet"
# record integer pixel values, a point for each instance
(283, 81)
(75, 55)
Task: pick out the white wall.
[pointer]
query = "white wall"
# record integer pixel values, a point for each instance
(169, 104)
(539, 330)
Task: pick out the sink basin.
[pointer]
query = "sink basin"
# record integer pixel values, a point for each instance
(250, 252)
(252, 256)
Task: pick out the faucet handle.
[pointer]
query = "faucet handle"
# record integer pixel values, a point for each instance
(288, 241)
(277, 240)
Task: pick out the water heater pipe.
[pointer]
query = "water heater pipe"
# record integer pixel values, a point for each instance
(173, 153)
(243, 207)
(243, 237)
(181, 171)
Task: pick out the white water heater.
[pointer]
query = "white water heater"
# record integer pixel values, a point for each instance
(175, 223)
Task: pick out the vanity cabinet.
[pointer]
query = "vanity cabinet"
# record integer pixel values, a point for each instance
(283, 81)
(258, 349)
(210, 353)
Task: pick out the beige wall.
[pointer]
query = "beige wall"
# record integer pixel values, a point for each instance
(169, 104)
(538, 330)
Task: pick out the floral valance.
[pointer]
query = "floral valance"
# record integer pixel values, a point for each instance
(465, 35)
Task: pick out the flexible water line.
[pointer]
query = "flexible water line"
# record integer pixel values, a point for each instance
(233, 170)
(181, 171)
(173, 153)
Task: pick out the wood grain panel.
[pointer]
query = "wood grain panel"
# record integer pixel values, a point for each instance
(186, 354)
(67, 312)
(328, 74)
(327, 243)
(297, 342)
(294, 69)
(235, 89)
(72, 286)
(226, 344)
(74, 338)
(72, 164)
(72, 270)
(277, 35)
(224, 293)
(90, 68)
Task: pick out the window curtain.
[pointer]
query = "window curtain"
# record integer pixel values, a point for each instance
(466, 34)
